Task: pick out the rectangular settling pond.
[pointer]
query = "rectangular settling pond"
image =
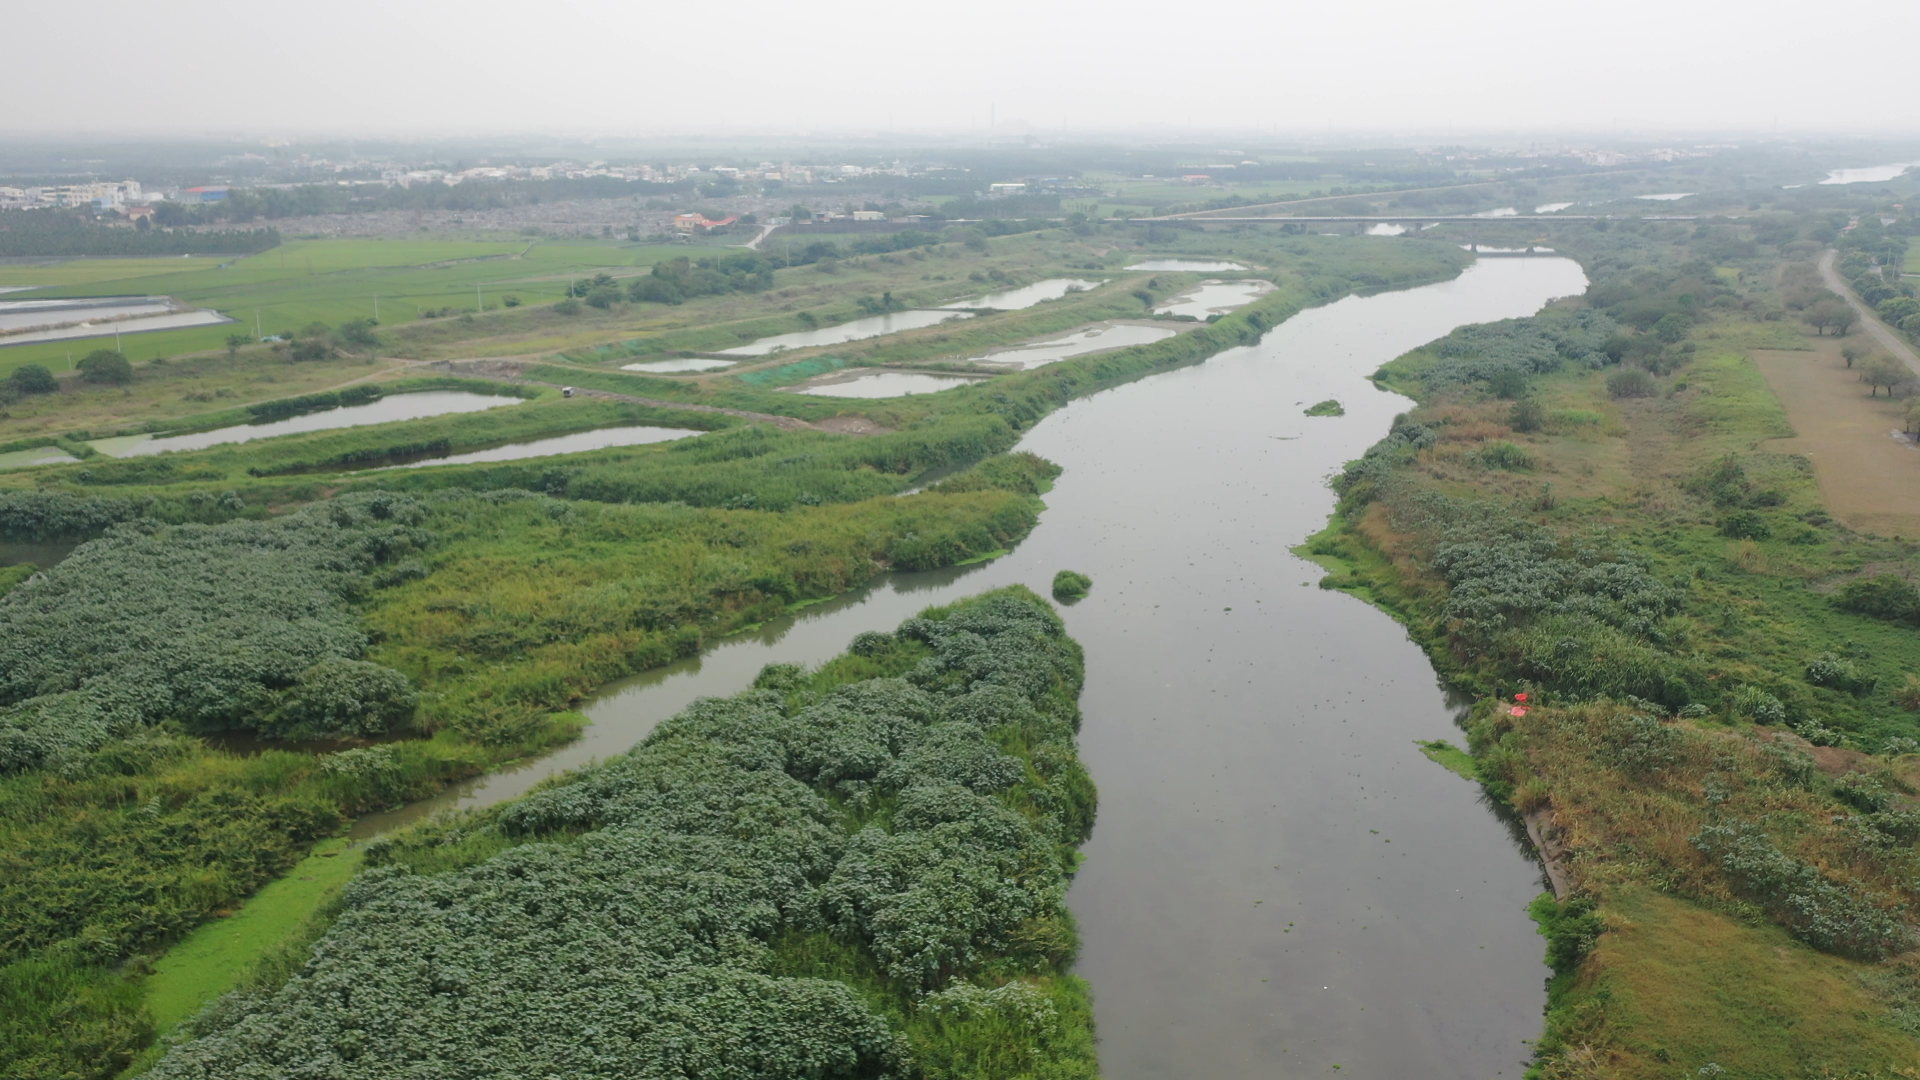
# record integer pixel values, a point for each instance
(857, 330)
(384, 411)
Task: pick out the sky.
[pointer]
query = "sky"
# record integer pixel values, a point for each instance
(840, 66)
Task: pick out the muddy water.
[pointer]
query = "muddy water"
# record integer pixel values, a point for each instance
(1278, 882)
(413, 406)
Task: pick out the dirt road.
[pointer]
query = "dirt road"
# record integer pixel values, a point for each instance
(1888, 337)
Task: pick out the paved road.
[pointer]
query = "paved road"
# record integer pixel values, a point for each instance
(1886, 335)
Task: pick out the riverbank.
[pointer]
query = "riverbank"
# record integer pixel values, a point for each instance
(877, 851)
(502, 604)
(1711, 742)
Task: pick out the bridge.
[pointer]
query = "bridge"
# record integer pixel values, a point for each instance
(1405, 219)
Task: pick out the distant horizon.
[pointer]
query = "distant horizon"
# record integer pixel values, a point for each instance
(487, 68)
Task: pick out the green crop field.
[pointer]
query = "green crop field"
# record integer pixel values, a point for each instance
(330, 281)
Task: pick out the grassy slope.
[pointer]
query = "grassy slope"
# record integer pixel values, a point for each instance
(1678, 983)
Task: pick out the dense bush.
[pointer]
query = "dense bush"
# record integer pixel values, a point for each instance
(57, 515)
(1632, 383)
(1071, 585)
(200, 624)
(32, 379)
(638, 922)
(1825, 914)
(1885, 596)
(1502, 355)
(105, 367)
(343, 697)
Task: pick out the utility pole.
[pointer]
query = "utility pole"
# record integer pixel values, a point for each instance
(376, 307)
(256, 323)
(477, 302)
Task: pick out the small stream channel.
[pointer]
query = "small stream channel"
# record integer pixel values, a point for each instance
(1279, 882)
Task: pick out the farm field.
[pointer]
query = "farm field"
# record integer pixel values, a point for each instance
(1869, 476)
(328, 281)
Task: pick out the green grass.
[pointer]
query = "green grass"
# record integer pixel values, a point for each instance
(1450, 757)
(329, 281)
(221, 954)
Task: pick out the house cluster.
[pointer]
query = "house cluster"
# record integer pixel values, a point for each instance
(110, 195)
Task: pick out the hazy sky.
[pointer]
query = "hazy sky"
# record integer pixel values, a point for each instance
(760, 66)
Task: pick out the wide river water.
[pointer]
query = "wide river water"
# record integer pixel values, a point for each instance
(1278, 882)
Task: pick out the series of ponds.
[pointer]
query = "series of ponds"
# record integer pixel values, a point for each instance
(1668, 196)
(1096, 338)
(72, 319)
(1279, 882)
(385, 410)
(857, 330)
(1215, 298)
(1027, 295)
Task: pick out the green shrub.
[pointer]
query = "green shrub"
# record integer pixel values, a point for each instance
(1526, 416)
(339, 697)
(105, 367)
(33, 379)
(1505, 455)
(1835, 673)
(1632, 383)
(1885, 596)
(1828, 915)
(1069, 585)
(1746, 525)
(666, 894)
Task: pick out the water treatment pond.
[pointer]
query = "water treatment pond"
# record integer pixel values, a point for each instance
(886, 384)
(857, 330)
(598, 439)
(1028, 295)
(1216, 298)
(1197, 266)
(1096, 338)
(1279, 882)
(669, 367)
(386, 410)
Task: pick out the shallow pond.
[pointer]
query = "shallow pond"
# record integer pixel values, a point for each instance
(1216, 298)
(40, 554)
(386, 410)
(598, 439)
(125, 315)
(857, 330)
(665, 367)
(15, 314)
(1670, 196)
(1551, 208)
(1279, 881)
(1871, 174)
(887, 384)
(39, 455)
(1028, 295)
(1198, 266)
(1096, 338)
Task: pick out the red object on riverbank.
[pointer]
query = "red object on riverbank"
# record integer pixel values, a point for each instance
(1517, 710)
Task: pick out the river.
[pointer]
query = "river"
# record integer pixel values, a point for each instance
(1278, 882)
